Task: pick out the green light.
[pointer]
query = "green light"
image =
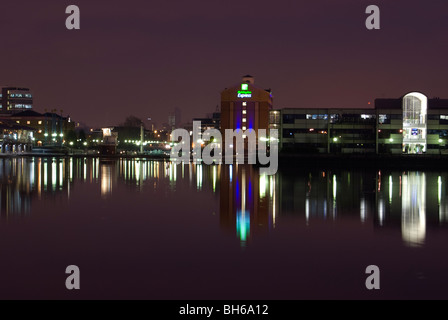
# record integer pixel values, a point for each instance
(244, 87)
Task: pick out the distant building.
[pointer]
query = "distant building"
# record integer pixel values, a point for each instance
(13, 100)
(109, 142)
(15, 138)
(174, 119)
(50, 128)
(410, 124)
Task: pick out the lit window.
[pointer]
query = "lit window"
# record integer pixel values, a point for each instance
(244, 128)
(244, 104)
(18, 121)
(39, 122)
(28, 122)
(244, 111)
(244, 119)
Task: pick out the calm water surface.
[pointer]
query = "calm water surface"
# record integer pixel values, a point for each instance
(141, 229)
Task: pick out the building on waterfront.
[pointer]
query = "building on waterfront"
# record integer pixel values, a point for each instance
(50, 128)
(15, 138)
(245, 106)
(13, 100)
(410, 124)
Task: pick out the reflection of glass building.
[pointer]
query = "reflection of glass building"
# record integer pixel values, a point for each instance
(414, 122)
(413, 216)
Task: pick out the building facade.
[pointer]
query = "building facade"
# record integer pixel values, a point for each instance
(245, 106)
(50, 128)
(13, 100)
(411, 124)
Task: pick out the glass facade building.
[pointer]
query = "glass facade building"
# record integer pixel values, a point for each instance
(415, 107)
(412, 124)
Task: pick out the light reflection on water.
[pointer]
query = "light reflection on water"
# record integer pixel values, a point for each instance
(250, 204)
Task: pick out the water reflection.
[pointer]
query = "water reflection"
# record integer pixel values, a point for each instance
(247, 201)
(413, 208)
(411, 203)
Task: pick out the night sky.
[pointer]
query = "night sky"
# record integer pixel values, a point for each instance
(147, 57)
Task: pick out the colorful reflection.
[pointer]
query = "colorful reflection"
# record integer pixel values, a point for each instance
(247, 201)
(250, 204)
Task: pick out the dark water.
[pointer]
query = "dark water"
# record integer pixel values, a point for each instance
(147, 230)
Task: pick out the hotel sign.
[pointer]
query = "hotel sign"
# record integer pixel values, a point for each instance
(244, 92)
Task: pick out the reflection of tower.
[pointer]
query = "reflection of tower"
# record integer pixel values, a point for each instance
(106, 179)
(247, 201)
(413, 218)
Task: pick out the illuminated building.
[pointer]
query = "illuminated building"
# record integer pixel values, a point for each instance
(410, 124)
(245, 106)
(13, 100)
(15, 138)
(108, 146)
(50, 128)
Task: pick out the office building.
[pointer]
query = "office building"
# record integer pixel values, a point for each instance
(411, 124)
(13, 100)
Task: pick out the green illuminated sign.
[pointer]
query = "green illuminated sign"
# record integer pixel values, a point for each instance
(244, 87)
(244, 94)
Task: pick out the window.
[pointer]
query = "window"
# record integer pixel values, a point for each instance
(244, 128)
(18, 121)
(384, 119)
(244, 111)
(39, 122)
(289, 118)
(316, 116)
(28, 122)
(244, 104)
(244, 119)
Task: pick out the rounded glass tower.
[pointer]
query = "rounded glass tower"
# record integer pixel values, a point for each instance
(415, 107)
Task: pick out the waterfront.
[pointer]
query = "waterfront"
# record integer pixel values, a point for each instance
(145, 229)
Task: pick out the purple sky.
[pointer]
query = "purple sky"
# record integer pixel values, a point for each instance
(147, 57)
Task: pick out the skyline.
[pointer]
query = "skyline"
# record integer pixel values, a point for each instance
(316, 55)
